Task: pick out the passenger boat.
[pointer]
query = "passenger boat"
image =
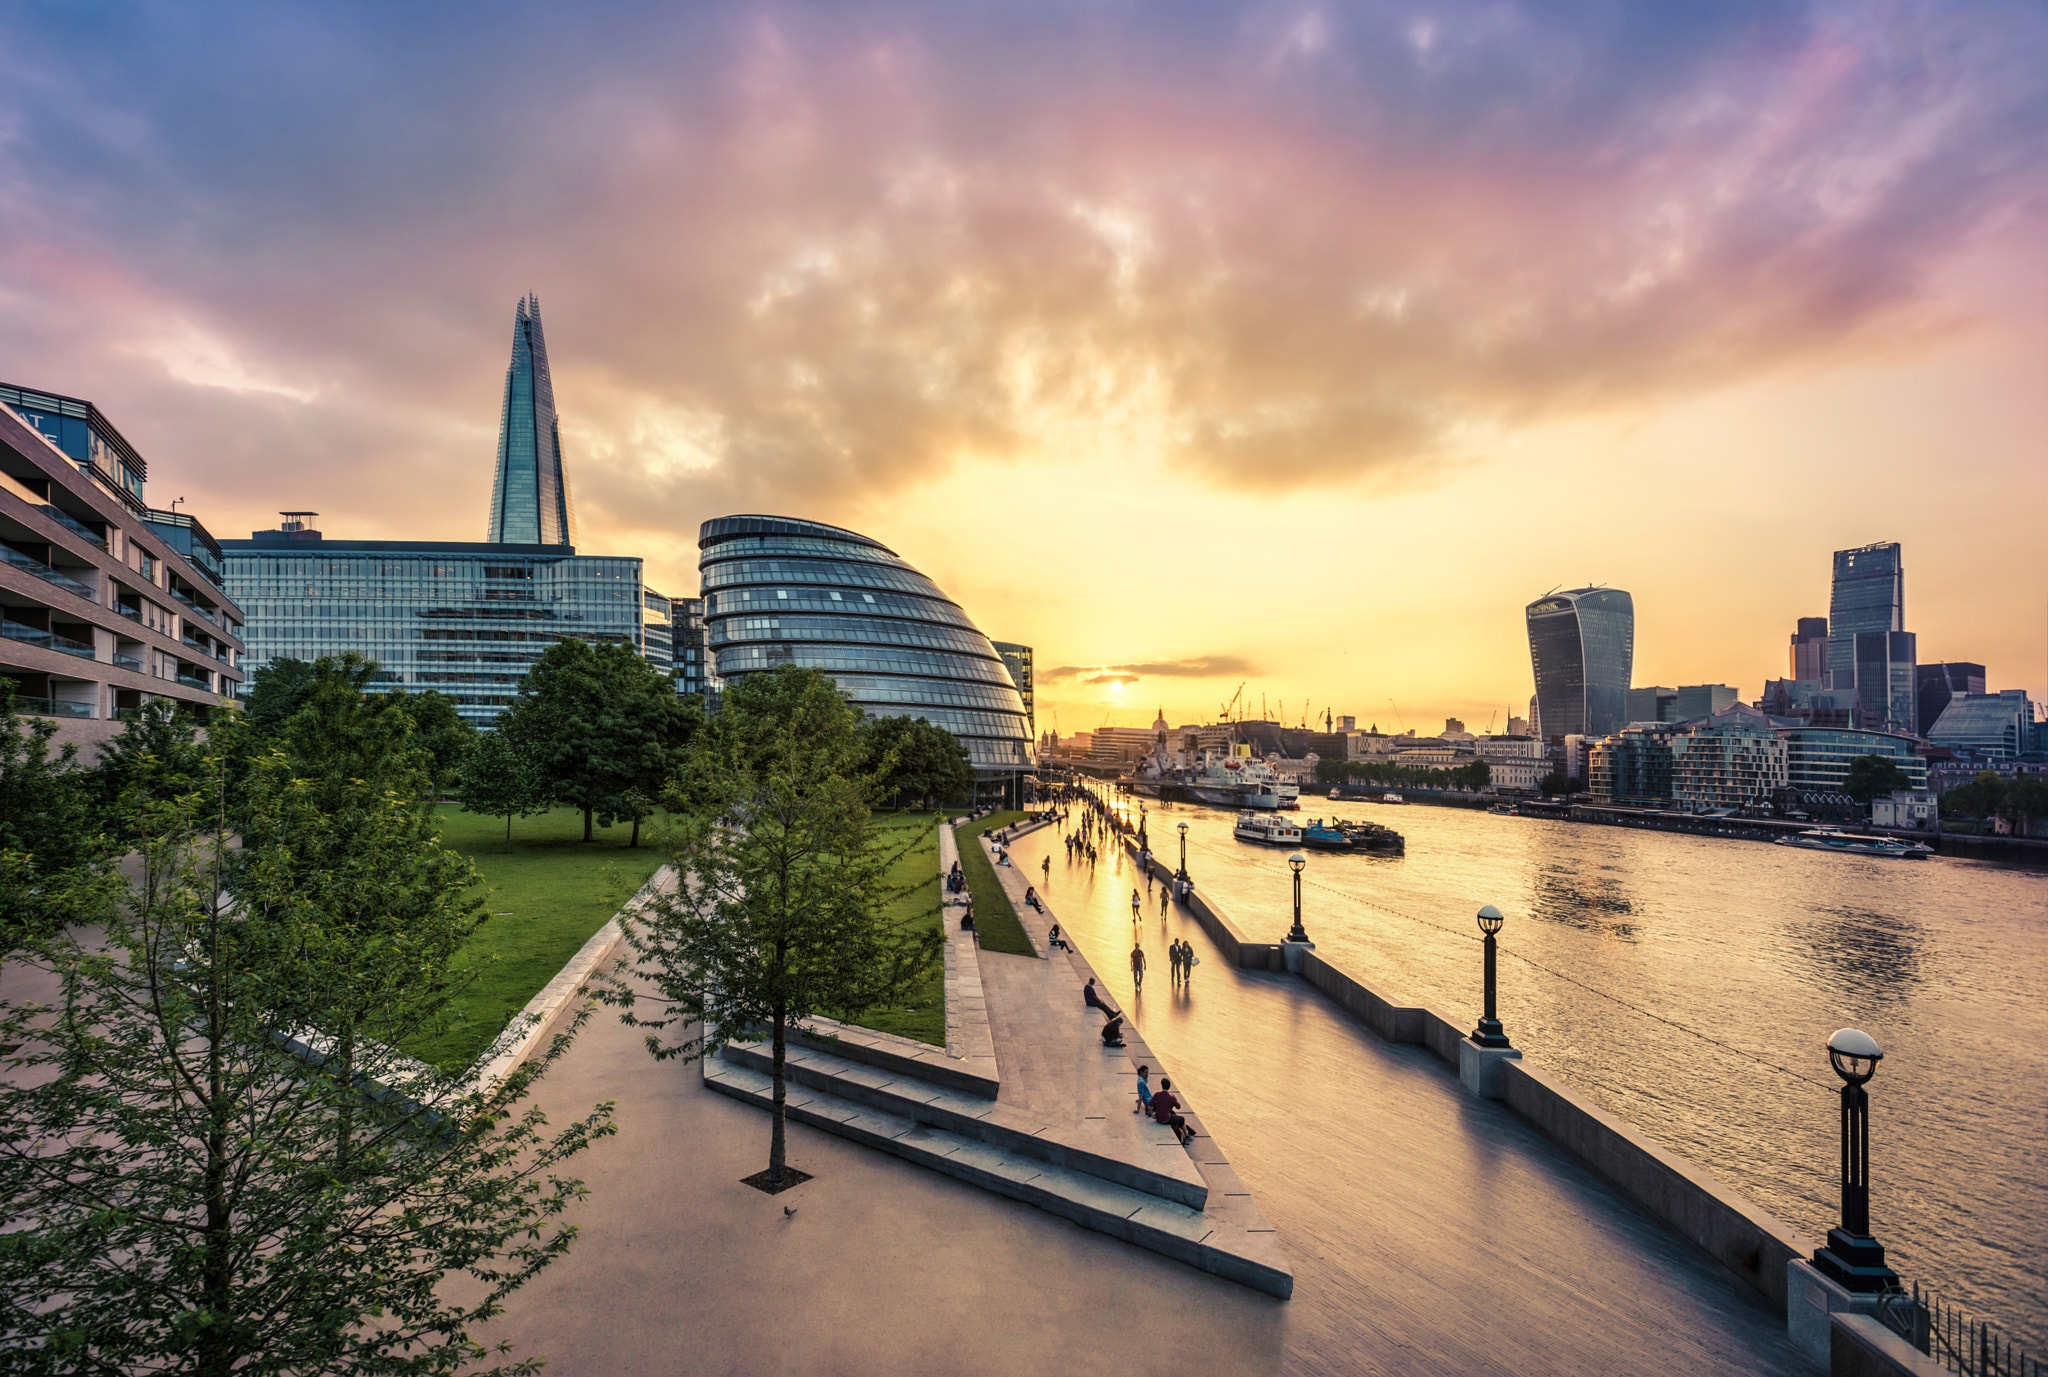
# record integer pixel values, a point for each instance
(1855, 844)
(1391, 797)
(1258, 827)
(1503, 810)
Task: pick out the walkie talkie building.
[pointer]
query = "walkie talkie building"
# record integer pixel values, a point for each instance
(783, 591)
(1582, 645)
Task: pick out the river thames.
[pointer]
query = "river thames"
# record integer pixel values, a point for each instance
(1689, 985)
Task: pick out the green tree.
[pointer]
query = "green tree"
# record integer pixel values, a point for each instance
(158, 753)
(781, 919)
(500, 779)
(439, 730)
(916, 762)
(276, 692)
(603, 725)
(46, 818)
(1874, 776)
(200, 1177)
(342, 734)
(2026, 799)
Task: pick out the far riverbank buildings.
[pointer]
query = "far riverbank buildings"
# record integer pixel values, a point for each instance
(778, 590)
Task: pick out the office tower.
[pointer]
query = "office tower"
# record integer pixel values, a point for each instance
(1886, 675)
(1582, 647)
(686, 617)
(1452, 724)
(778, 590)
(464, 618)
(1817, 758)
(1935, 685)
(657, 630)
(1651, 704)
(1701, 700)
(1809, 658)
(105, 604)
(530, 503)
(1991, 726)
(1869, 595)
(1017, 659)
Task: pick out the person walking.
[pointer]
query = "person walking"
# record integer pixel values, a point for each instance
(1136, 917)
(1048, 869)
(1162, 902)
(1138, 968)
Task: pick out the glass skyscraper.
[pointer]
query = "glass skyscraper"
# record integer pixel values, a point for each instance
(1869, 595)
(1582, 646)
(783, 591)
(1017, 659)
(530, 503)
(1887, 675)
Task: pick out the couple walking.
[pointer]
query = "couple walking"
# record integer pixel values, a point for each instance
(1181, 959)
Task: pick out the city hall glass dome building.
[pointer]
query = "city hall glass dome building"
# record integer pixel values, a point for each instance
(783, 591)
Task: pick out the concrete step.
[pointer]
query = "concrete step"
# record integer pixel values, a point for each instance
(975, 1074)
(1129, 1151)
(1147, 1221)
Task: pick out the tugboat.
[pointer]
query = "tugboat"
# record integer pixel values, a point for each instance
(1324, 836)
(1258, 827)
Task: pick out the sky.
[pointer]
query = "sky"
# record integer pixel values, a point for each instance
(1291, 345)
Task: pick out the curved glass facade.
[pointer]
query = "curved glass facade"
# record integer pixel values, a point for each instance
(783, 591)
(1582, 645)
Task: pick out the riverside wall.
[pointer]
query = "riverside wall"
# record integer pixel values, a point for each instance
(1753, 1244)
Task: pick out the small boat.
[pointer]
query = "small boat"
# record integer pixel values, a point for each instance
(1263, 827)
(1370, 836)
(1391, 797)
(1502, 810)
(1855, 844)
(1325, 836)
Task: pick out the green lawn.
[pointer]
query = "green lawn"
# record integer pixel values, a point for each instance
(916, 872)
(545, 899)
(994, 915)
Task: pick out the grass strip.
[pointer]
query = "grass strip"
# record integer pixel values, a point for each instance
(994, 916)
(916, 873)
(545, 900)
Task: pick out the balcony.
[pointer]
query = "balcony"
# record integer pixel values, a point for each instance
(52, 707)
(205, 612)
(133, 614)
(49, 640)
(71, 524)
(30, 565)
(195, 681)
(133, 662)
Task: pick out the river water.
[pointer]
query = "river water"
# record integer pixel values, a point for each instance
(1689, 985)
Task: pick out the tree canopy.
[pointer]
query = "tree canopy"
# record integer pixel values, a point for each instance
(1874, 776)
(781, 920)
(604, 727)
(916, 762)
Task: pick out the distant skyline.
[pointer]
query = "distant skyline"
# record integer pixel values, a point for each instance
(1301, 344)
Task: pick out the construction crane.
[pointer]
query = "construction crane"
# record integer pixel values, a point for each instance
(1223, 714)
(1490, 719)
(1397, 714)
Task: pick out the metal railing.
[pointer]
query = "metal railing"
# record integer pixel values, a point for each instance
(202, 611)
(129, 662)
(31, 565)
(49, 640)
(52, 707)
(192, 681)
(1962, 1344)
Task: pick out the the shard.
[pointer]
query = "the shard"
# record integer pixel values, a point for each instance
(530, 503)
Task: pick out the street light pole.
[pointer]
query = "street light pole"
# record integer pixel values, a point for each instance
(1489, 1032)
(1182, 874)
(1297, 863)
(1852, 1257)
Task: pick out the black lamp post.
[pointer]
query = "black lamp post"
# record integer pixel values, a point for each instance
(1852, 1257)
(1143, 844)
(1489, 1032)
(1182, 873)
(1297, 863)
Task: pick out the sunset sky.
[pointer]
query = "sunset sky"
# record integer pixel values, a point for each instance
(1297, 344)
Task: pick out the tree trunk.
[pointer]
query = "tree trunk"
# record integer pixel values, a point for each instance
(586, 823)
(635, 843)
(508, 834)
(778, 1134)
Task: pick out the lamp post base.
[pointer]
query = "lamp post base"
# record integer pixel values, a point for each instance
(1855, 1262)
(1489, 1033)
(1294, 950)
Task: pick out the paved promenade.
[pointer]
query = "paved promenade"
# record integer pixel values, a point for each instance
(1428, 1232)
